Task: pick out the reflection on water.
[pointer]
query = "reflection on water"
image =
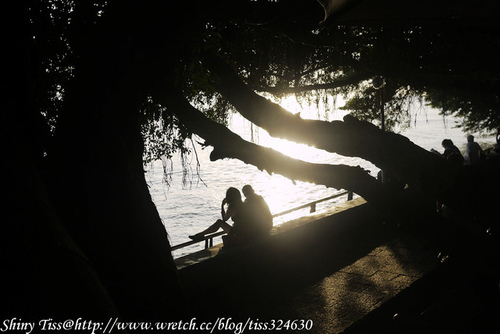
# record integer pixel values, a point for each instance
(188, 209)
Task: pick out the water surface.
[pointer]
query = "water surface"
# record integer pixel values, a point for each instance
(188, 208)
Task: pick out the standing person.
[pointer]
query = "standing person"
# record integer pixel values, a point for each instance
(258, 210)
(497, 145)
(473, 152)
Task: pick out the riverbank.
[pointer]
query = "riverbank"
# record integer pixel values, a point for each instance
(334, 271)
(346, 272)
(187, 208)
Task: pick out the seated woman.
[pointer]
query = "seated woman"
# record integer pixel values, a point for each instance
(451, 152)
(243, 228)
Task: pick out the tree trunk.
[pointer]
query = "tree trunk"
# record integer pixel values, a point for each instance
(85, 239)
(96, 171)
(46, 275)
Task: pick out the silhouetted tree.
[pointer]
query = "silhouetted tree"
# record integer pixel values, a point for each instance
(88, 83)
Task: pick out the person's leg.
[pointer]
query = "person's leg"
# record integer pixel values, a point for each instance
(224, 226)
(212, 229)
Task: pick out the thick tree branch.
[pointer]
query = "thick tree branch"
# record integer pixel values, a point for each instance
(229, 145)
(389, 151)
(392, 203)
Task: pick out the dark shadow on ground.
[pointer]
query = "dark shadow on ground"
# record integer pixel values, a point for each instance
(262, 280)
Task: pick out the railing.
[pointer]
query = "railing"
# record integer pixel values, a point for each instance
(209, 239)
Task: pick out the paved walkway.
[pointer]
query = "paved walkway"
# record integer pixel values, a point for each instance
(341, 271)
(350, 294)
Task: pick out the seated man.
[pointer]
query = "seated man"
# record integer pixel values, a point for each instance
(258, 210)
(473, 152)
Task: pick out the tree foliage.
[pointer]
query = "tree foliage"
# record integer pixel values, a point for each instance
(454, 68)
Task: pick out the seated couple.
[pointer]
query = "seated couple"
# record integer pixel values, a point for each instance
(252, 218)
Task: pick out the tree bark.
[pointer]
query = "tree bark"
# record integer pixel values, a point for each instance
(97, 176)
(45, 273)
